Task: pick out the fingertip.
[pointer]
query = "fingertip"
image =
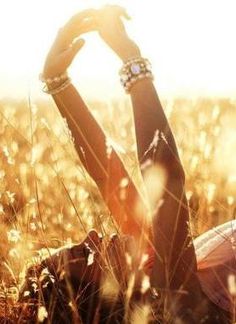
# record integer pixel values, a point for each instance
(123, 12)
(81, 41)
(78, 44)
(127, 16)
(93, 235)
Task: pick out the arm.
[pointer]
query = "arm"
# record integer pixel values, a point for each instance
(106, 171)
(175, 261)
(176, 255)
(89, 138)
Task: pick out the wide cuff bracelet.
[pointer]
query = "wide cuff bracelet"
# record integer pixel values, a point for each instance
(133, 71)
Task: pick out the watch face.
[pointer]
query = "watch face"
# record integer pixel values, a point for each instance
(135, 68)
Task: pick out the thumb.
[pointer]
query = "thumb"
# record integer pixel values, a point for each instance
(77, 45)
(69, 54)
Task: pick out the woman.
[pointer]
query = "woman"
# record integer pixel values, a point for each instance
(174, 272)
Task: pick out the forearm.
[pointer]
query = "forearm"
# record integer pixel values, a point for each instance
(106, 170)
(176, 262)
(155, 140)
(89, 139)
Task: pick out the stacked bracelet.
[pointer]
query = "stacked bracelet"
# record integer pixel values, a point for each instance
(56, 79)
(134, 70)
(58, 88)
(55, 85)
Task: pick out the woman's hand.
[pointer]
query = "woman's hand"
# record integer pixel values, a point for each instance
(107, 21)
(111, 29)
(67, 44)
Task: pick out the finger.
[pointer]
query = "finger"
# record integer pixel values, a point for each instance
(114, 14)
(92, 248)
(126, 15)
(69, 54)
(75, 30)
(75, 47)
(78, 19)
(93, 237)
(94, 242)
(86, 27)
(81, 16)
(72, 28)
(117, 10)
(122, 12)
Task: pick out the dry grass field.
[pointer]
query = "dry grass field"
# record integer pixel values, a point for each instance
(47, 199)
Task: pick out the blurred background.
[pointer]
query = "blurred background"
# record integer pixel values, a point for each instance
(190, 43)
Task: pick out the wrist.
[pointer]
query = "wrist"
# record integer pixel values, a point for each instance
(130, 51)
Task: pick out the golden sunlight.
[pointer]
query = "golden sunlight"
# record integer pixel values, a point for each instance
(191, 45)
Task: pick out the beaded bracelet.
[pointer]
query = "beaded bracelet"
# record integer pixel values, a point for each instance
(56, 79)
(134, 70)
(58, 89)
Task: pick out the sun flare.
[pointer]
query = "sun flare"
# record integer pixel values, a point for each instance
(191, 45)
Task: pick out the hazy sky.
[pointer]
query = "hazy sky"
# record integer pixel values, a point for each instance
(191, 44)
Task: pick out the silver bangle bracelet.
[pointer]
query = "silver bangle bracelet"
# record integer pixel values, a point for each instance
(58, 89)
(56, 79)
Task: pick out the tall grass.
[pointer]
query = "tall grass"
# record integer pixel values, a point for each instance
(47, 199)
